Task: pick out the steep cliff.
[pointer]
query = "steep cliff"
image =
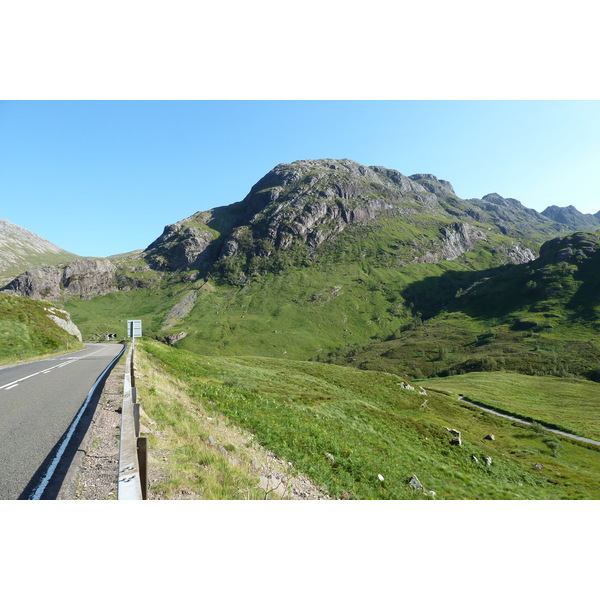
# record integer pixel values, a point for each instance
(83, 278)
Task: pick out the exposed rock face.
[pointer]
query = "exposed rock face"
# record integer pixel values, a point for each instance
(312, 201)
(63, 319)
(181, 246)
(433, 184)
(39, 284)
(89, 277)
(296, 208)
(512, 218)
(173, 339)
(573, 248)
(518, 254)
(180, 310)
(456, 239)
(84, 278)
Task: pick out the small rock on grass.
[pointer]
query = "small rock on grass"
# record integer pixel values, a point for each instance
(415, 484)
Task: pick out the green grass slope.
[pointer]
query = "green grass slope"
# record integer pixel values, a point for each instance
(353, 291)
(539, 318)
(345, 428)
(572, 405)
(26, 331)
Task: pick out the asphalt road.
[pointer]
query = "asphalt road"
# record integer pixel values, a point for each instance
(505, 416)
(38, 404)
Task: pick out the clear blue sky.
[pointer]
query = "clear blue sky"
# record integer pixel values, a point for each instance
(104, 177)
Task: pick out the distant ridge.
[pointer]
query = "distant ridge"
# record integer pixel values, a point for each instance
(572, 218)
(20, 249)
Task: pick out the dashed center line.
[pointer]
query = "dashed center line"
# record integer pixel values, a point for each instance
(68, 361)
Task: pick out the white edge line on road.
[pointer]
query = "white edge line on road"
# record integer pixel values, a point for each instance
(37, 493)
(13, 386)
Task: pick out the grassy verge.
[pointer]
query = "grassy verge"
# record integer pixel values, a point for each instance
(26, 332)
(196, 452)
(359, 434)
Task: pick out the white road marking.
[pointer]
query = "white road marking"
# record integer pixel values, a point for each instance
(12, 386)
(37, 493)
(67, 361)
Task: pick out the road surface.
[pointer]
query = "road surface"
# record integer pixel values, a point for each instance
(506, 416)
(39, 403)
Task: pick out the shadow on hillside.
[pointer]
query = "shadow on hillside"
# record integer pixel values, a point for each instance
(585, 302)
(482, 294)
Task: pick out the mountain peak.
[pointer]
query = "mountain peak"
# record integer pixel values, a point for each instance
(20, 249)
(571, 217)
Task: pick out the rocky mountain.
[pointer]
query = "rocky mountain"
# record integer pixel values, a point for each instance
(571, 218)
(21, 249)
(313, 242)
(297, 209)
(298, 212)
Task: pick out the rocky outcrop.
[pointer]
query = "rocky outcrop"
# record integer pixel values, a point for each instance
(39, 284)
(173, 339)
(182, 246)
(455, 240)
(298, 207)
(63, 319)
(307, 203)
(572, 248)
(83, 278)
(312, 201)
(434, 185)
(512, 218)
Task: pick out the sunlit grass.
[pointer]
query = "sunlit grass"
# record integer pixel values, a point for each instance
(344, 428)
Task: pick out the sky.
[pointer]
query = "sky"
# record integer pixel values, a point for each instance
(99, 178)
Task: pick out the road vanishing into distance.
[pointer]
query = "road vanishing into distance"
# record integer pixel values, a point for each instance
(45, 407)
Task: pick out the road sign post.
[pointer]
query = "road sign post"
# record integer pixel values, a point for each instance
(134, 328)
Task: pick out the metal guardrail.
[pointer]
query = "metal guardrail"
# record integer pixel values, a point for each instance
(133, 451)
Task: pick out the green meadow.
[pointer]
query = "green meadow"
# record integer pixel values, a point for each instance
(570, 404)
(360, 434)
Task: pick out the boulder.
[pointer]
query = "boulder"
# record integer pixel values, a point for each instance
(415, 484)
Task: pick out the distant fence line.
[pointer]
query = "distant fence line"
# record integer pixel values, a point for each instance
(133, 450)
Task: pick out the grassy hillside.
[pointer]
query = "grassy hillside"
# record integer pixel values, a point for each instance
(21, 250)
(355, 290)
(570, 404)
(27, 332)
(345, 427)
(539, 318)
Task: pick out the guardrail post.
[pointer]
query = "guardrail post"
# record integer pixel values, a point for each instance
(142, 452)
